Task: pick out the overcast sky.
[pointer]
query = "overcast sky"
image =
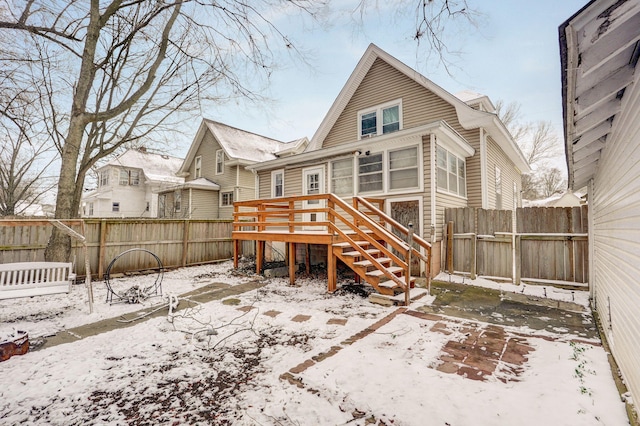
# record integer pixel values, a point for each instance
(511, 55)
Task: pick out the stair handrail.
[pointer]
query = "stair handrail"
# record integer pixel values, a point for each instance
(395, 224)
(395, 241)
(378, 230)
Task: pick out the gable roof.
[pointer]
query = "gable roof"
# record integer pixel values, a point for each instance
(240, 145)
(599, 52)
(156, 167)
(469, 117)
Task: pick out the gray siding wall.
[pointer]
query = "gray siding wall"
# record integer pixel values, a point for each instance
(204, 204)
(614, 205)
(497, 158)
(383, 83)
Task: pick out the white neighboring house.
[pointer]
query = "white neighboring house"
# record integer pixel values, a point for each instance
(128, 186)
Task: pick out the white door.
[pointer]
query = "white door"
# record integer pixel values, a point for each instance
(312, 184)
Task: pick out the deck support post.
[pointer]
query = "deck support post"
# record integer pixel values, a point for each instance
(307, 258)
(332, 273)
(236, 253)
(259, 256)
(292, 263)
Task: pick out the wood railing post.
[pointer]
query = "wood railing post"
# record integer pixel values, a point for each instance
(261, 217)
(407, 290)
(292, 216)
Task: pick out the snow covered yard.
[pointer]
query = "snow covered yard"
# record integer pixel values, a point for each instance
(283, 355)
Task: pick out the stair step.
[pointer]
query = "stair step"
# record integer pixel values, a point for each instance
(392, 284)
(346, 244)
(358, 254)
(368, 262)
(414, 294)
(377, 273)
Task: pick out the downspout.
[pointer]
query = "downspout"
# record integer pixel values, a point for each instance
(190, 202)
(236, 195)
(484, 184)
(432, 201)
(591, 277)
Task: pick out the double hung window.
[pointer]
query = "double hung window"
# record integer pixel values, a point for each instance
(129, 177)
(403, 168)
(198, 167)
(219, 162)
(342, 177)
(380, 120)
(451, 175)
(277, 183)
(227, 199)
(370, 173)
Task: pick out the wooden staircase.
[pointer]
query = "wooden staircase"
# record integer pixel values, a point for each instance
(368, 271)
(360, 234)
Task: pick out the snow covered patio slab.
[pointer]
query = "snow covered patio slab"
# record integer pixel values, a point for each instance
(350, 362)
(395, 375)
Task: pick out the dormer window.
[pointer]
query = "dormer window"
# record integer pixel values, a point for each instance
(383, 119)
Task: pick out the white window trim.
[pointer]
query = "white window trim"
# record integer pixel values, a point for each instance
(233, 195)
(221, 162)
(378, 149)
(466, 177)
(273, 183)
(197, 166)
(378, 109)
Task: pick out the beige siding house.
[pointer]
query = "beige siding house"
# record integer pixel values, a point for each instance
(600, 48)
(215, 171)
(392, 133)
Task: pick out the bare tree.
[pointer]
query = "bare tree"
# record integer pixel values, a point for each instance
(118, 71)
(25, 155)
(552, 182)
(433, 23)
(538, 143)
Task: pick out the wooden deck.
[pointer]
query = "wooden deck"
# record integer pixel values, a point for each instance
(361, 235)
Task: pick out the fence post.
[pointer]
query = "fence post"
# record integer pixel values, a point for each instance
(474, 256)
(450, 247)
(185, 242)
(102, 248)
(518, 260)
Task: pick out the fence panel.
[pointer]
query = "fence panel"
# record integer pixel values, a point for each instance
(551, 243)
(176, 242)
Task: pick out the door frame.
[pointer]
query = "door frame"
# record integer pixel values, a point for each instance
(307, 217)
(420, 200)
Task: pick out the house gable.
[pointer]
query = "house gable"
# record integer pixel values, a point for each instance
(384, 83)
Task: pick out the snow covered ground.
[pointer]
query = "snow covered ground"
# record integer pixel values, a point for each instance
(283, 355)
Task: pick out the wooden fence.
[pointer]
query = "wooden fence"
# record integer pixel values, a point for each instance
(541, 245)
(176, 242)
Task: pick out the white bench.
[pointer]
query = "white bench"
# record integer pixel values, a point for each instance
(26, 279)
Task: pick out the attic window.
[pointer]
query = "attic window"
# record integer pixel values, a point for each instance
(219, 162)
(380, 120)
(198, 167)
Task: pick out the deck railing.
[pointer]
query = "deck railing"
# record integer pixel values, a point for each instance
(265, 219)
